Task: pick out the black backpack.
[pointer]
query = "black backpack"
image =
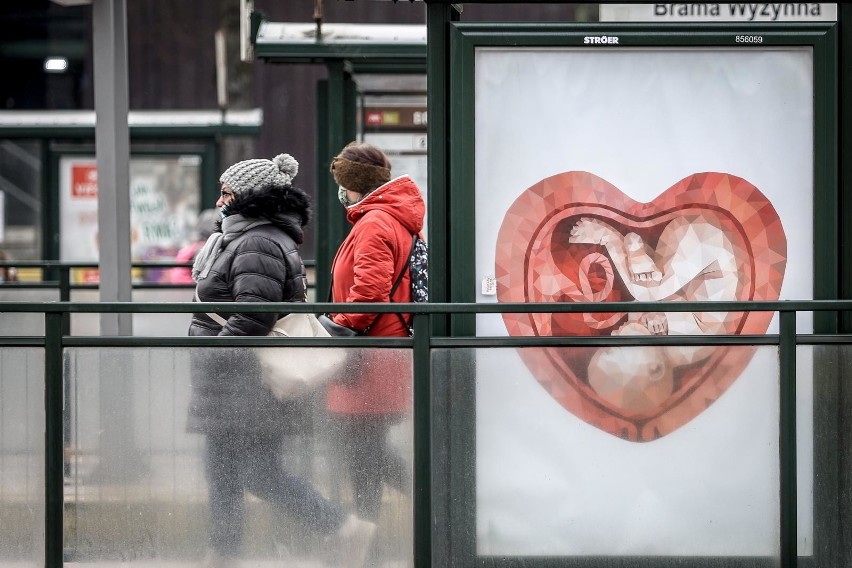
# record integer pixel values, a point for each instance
(418, 265)
(418, 272)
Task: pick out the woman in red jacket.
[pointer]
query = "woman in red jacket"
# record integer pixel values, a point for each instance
(385, 214)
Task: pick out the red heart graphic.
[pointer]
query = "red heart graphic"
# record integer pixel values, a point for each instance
(574, 237)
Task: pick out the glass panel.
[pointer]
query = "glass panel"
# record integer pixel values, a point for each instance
(162, 325)
(21, 456)
(822, 451)
(144, 325)
(143, 423)
(563, 467)
(15, 324)
(88, 324)
(20, 201)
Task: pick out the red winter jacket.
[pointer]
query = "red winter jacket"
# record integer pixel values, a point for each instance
(364, 270)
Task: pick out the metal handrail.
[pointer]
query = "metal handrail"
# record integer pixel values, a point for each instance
(56, 337)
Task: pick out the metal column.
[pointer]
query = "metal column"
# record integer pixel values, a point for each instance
(112, 147)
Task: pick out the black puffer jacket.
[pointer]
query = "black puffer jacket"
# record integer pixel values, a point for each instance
(260, 265)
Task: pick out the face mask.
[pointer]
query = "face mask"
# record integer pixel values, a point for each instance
(341, 195)
(223, 212)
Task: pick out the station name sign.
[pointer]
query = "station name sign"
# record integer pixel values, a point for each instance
(720, 12)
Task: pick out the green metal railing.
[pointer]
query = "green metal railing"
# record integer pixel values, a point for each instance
(425, 316)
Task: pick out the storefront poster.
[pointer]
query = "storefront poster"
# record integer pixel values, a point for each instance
(164, 200)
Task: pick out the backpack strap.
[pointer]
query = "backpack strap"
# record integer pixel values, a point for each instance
(393, 290)
(215, 317)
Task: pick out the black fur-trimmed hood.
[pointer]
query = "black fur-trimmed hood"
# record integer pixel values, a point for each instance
(286, 206)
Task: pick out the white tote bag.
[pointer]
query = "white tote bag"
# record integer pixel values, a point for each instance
(292, 372)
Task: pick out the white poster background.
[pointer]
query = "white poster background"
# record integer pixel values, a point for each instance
(642, 119)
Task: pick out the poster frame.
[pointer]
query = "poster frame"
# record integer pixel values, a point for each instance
(459, 215)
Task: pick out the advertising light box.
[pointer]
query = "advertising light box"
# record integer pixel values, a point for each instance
(625, 164)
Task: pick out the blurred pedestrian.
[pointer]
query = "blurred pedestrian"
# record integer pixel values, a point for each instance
(385, 214)
(254, 257)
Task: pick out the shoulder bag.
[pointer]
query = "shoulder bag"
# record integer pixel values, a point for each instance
(292, 372)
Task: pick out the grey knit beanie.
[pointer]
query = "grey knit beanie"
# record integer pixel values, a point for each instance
(245, 176)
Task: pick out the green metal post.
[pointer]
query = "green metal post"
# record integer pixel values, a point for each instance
(322, 247)
(422, 442)
(209, 176)
(65, 296)
(339, 123)
(456, 427)
(843, 539)
(787, 439)
(845, 156)
(438, 100)
(827, 231)
(64, 283)
(50, 206)
(53, 442)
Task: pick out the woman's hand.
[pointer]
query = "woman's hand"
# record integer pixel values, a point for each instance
(335, 329)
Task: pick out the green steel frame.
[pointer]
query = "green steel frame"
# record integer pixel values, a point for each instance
(452, 165)
(408, 57)
(336, 125)
(844, 393)
(429, 544)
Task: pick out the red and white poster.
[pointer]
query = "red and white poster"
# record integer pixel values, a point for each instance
(164, 201)
(639, 175)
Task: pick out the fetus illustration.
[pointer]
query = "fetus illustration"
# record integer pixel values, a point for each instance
(693, 260)
(576, 238)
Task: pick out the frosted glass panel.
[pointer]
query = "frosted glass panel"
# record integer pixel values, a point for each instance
(822, 408)
(88, 324)
(162, 471)
(21, 456)
(549, 483)
(17, 324)
(154, 325)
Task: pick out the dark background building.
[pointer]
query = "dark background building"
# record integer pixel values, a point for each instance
(172, 67)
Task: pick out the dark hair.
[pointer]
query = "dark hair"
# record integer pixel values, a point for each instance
(271, 199)
(364, 153)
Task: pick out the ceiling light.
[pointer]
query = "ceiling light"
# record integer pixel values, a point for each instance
(56, 65)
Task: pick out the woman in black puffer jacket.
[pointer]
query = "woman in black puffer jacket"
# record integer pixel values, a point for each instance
(253, 257)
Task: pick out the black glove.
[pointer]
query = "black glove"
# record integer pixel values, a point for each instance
(335, 329)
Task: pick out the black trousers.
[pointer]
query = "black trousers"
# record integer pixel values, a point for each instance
(235, 462)
(369, 460)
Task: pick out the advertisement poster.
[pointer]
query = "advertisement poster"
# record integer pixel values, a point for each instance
(164, 203)
(639, 175)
